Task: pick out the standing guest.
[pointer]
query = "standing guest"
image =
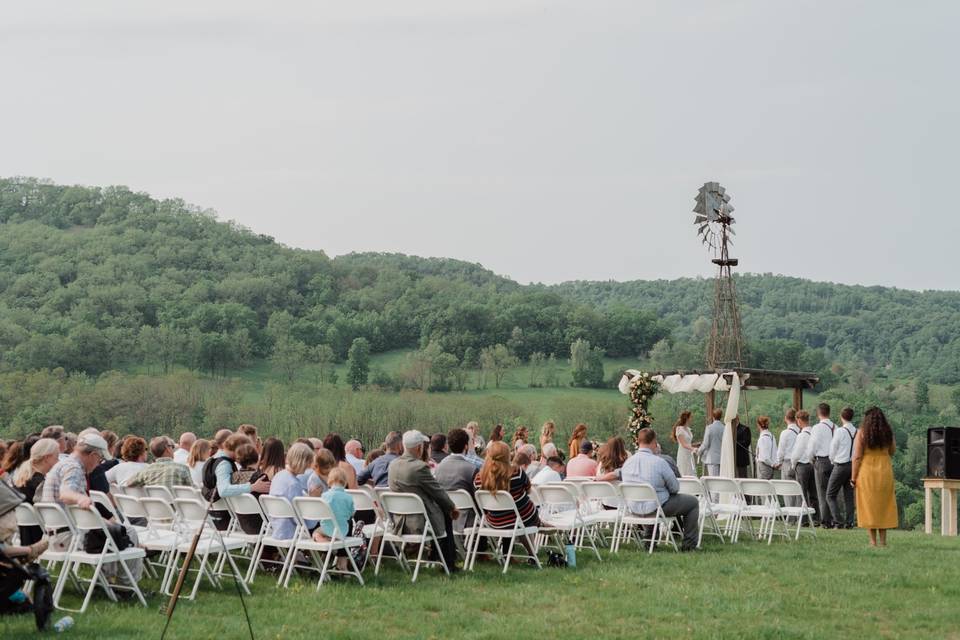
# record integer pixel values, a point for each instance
(164, 471)
(134, 454)
(272, 457)
(742, 438)
(496, 435)
(802, 460)
(473, 428)
(646, 466)
(554, 471)
(498, 475)
(410, 474)
(822, 434)
(323, 463)
(788, 437)
(342, 507)
(455, 471)
(683, 436)
(378, 471)
(583, 465)
(520, 437)
(354, 449)
(766, 450)
(841, 457)
(335, 445)
(291, 483)
(712, 444)
(182, 452)
(546, 433)
(28, 478)
(199, 453)
(577, 439)
(438, 448)
(873, 449)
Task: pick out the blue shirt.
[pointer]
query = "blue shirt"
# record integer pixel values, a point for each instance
(225, 486)
(341, 503)
(471, 456)
(377, 470)
(286, 485)
(646, 466)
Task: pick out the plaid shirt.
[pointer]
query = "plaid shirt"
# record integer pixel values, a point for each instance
(164, 472)
(66, 473)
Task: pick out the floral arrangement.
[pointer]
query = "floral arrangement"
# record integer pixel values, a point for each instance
(642, 389)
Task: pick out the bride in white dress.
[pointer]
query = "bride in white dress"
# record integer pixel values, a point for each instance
(685, 450)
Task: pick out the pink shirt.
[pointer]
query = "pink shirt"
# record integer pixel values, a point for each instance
(581, 467)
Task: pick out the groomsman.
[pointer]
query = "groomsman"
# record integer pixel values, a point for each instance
(787, 439)
(841, 455)
(802, 460)
(712, 444)
(822, 434)
(766, 450)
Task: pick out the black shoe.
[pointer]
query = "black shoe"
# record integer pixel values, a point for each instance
(687, 548)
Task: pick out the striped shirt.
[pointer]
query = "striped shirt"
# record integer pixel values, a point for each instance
(164, 472)
(519, 484)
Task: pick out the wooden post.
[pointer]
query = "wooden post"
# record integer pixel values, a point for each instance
(798, 398)
(711, 397)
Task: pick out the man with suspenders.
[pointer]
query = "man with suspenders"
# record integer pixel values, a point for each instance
(841, 455)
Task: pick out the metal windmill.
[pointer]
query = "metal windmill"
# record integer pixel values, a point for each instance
(715, 227)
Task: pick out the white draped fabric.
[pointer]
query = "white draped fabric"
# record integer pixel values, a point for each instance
(702, 383)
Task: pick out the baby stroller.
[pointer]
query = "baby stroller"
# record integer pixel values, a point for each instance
(13, 577)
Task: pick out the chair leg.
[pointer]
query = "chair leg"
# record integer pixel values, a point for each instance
(356, 572)
(506, 562)
(416, 568)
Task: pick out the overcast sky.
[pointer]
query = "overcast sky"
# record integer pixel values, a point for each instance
(548, 141)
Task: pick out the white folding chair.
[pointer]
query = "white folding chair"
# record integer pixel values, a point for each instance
(275, 508)
(469, 520)
(163, 534)
(102, 499)
(27, 516)
(557, 516)
(187, 492)
(193, 515)
(246, 504)
(726, 503)
(691, 486)
(795, 505)
(502, 501)
(137, 492)
(398, 507)
(366, 499)
(316, 509)
(598, 496)
(159, 491)
(764, 507)
(662, 525)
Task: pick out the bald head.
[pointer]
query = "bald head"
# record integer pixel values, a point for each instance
(186, 440)
(354, 448)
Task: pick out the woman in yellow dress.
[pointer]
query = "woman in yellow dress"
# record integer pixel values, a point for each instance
(872, 476)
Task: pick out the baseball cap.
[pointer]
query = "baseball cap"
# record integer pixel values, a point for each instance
(586, 446)
(413, 438)
(95, 441)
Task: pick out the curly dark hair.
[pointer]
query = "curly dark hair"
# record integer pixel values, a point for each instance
(876, 431)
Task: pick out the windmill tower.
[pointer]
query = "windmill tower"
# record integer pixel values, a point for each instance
(715, 227)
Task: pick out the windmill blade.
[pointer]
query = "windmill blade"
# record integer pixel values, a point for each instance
(699, 219)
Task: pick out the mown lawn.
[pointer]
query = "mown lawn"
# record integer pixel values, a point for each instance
(835, 587)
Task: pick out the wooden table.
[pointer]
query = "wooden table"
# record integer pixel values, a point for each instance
(948, 504)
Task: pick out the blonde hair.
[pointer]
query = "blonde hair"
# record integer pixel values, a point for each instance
(199, 452)
(337, 476)
(299, 457)
(323, 462)
(40, 449)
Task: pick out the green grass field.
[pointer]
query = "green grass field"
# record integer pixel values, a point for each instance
(834, 587)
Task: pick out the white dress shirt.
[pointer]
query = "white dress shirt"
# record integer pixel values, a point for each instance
(803, 448)
(787, 439)
(546, 476)
(355, 462)
(822, 434)
(767, 448)
(180, 455)
(841, 447)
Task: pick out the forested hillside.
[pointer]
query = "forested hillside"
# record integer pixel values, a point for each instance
(93, 279)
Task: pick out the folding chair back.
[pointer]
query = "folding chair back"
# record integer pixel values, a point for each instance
(159, 491)
(137, 492)
(638, 492)
(499, 501)
(130, 506)
(52, 516)
(116, 489)
(599, 491)
(243, 504)
(403, 504)
(691, 486)
(558, 497)
(99, 497)
(787, 488)
(462, 500)
(193, 512)
(311, 508)
(362, 500)
(757, 489)
(183, 491)
(27, 515)
(159, 512)
(277, 507)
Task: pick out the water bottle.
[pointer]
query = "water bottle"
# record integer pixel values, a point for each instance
(63, 624)
(571, 550)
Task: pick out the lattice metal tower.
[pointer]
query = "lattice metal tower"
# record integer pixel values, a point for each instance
(715, 226)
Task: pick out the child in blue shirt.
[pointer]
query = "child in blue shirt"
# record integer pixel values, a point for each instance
(341, 504)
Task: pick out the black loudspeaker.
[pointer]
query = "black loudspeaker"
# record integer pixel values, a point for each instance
(943, 453)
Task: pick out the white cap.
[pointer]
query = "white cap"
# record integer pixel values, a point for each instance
(95, 441)
(413, 438)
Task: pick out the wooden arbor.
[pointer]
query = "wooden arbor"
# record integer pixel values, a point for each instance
(752, 379)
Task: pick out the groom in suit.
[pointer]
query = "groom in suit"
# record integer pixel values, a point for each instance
(712, 444)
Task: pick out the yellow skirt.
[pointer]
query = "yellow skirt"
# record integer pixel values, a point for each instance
(876, 501)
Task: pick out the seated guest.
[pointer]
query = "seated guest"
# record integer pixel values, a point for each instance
(247, 460)
(438, 448)
(354, 449)
(646, 466)
(250, 431)
(334, 443)
(272, 457)
(323, 463)
(291, 483)
(535, 464)
(182, 452)
(58, 433)
(44, 453)
(610, 457)
(583, 465)
(219, 438)
(164, 471)
(497, 474)
(66, 482)
(410, 474)
(134, 455)
(199, 453)
(554, 471)
(455, 471)
(377, 472)
(218, 478)
(373, 455)
(341, 504)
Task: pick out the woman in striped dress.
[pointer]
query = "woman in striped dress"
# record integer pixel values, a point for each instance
(497, 474)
